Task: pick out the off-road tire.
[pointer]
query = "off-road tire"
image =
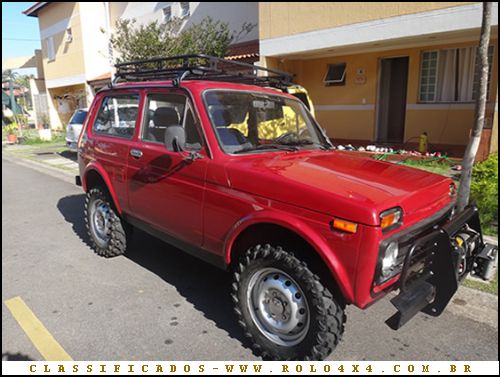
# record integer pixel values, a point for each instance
(327, 316)
(117, 243)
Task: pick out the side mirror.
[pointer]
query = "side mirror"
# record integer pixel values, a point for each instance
(186, 155)
(176, 146)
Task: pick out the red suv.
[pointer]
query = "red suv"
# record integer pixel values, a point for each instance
(224, 164)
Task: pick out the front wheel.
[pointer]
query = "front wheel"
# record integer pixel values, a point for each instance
(284, 308)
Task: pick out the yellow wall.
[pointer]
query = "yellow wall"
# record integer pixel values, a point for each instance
(286, 18)
(58, 118)
(444, 125)
(69, 59)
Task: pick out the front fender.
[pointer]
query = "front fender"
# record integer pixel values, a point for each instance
(302, 229)
(95, 166)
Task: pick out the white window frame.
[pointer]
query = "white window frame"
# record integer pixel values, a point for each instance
(334, 82)
(51, 53)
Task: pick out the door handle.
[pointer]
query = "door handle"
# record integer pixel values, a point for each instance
(136, 153)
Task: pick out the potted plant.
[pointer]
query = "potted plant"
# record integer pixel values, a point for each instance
(10, 130)
(45, 132)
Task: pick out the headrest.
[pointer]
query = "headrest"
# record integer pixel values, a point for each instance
(221, 118)
(165, 116)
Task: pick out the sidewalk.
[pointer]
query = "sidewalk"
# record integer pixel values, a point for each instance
(56, 156)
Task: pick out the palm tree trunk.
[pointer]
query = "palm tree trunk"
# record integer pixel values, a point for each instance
(472, 147)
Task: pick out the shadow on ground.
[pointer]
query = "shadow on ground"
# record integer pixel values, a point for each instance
(15, 357)
(69, 155)
(206, 287)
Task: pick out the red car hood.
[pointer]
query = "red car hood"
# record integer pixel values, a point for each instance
(340, 184)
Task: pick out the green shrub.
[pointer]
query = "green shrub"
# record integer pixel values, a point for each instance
(32, 137)
(484, 191)
(10, 129)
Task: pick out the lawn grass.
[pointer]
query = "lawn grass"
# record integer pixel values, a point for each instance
(442, 168)
(487, 286)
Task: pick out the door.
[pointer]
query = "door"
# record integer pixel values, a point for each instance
(166, 189)
(113, 130)
(391, 106)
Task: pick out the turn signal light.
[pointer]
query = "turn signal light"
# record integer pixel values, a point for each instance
(344, 226)
(390, 219)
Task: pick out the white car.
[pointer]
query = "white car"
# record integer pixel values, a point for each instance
(74, 128)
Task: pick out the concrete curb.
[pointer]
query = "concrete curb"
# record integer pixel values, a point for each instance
(65, 176)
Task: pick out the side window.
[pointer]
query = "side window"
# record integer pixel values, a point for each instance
(117, 116)
(168, 115)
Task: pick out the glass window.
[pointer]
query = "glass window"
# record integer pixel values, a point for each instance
(428, 76)
(335, 74)
(117, 116)
(166, 114)
(51, 52)
(78, 117)
(451, 75)
(184, 9)
(252, 122)
(167, 13)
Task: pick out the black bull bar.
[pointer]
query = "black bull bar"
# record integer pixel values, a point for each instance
(430, 274)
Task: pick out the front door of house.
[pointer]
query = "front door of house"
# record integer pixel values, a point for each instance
(391, 104)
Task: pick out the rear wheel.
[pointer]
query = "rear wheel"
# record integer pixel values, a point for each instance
(105, 228)
(284, 308)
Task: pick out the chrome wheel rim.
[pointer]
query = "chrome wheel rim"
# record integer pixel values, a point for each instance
(278, 306)
(100, 216)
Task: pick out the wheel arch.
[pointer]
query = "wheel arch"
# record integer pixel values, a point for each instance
(304, 242)
(94, 176)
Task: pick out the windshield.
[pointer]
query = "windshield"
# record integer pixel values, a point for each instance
(78, 117)
(251, 122)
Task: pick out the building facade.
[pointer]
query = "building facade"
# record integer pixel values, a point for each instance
(386, 72)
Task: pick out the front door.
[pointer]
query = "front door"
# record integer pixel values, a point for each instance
(166, 189)
(391, 105)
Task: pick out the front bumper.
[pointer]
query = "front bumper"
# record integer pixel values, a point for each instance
(433, 267)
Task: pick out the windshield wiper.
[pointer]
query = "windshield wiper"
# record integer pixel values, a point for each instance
(290, 148)
(307, 142)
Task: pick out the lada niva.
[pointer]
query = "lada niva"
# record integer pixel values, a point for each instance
(229, 167)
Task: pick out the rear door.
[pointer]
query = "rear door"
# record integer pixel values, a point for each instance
(165, 189)
(113, 130)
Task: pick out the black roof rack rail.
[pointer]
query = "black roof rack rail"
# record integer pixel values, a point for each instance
(200, 67)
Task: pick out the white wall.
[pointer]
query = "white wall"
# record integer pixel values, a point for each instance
(235, 14)
(95, 43)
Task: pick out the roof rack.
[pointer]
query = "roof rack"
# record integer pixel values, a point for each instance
(200, 67)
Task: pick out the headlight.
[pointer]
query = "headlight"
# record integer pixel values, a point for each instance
(391, 219)
(390, 259)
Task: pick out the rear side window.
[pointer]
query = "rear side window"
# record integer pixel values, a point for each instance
(117, 116)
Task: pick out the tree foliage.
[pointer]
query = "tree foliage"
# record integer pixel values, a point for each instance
(137, 42)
